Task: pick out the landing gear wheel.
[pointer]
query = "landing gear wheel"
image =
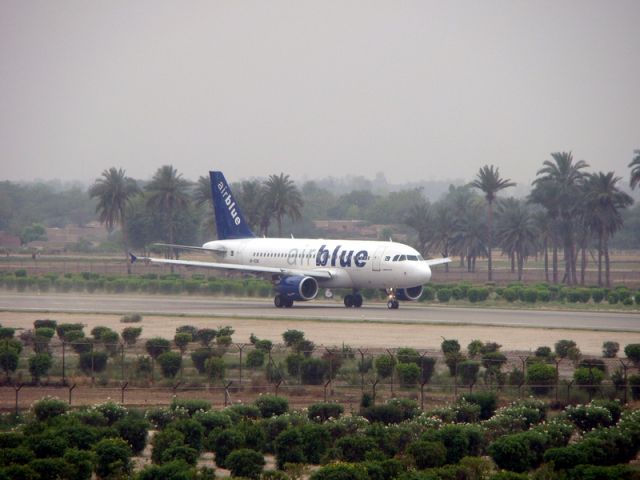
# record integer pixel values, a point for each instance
(288, 303)
(357, 300)
(393, 304)
(348, 301)
(278, 301)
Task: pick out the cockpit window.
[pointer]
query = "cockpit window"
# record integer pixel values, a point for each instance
(395, 258)
(402, 258)
(413, 258)
(386, 259)
(420, 258)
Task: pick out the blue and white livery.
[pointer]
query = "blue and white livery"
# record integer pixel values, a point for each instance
(300, 267)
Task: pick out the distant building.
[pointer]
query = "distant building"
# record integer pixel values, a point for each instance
(9, 241)
(58, 239)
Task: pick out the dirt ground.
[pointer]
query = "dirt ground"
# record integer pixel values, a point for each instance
(355, 334)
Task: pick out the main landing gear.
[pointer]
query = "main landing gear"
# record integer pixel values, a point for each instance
(280, 301)
(353, 300)
(392, 302)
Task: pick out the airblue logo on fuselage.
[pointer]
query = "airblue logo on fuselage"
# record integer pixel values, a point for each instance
(344, 258)
(229, 202)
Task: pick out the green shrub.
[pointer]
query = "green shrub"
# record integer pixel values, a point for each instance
(113, 458)
(133, 429)
(341, 471)
(95, 362)
(543, 295)
(170, 363)
(408, 374)
(634, 385)
(157, 346)
(478, 294)
(632, 351)
(354, 448)
(468, 371)
(131, 334)
(7, 333)
(529, 295)
(610, 349)
(324, 411)
(313, 371)
(589, 417)
(450, 346)
(270, 405)
(612, 298)
(541, 378)
(597, 294)
(45, 323)
(245, 463)
(519, 452)
(510, 294)
(48, 408)
(255, 358)
(488, 402)
(199, 358)
(562, 347)
(444, 295)
(39, 365)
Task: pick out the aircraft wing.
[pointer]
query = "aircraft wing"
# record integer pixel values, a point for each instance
(437, 261)
(189, 247)
(315, 273)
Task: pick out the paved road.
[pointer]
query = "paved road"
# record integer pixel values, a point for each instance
(408, 313)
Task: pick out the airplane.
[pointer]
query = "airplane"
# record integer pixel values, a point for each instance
(300, 267)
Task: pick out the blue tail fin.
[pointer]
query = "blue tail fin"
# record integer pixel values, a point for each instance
(229, 220)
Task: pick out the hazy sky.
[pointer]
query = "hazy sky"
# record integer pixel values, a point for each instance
(415, 89)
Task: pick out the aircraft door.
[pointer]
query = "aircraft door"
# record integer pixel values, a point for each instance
(377, 257)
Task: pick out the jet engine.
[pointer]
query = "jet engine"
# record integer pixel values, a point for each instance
(298, 288)
(411, 293)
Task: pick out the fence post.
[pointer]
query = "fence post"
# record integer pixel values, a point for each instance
(17, 388)
(226, 393)
(123, 387)
(330, 374)
(174, 387)
(361, 369)
(325, 390)
(71, 388)
(277, 386)
(93, 377)
(557, 362)
(569, 385)
(625, 367)
(373, 388)
(393, 370)
(64, 379)
(240, 347)
(122, 361)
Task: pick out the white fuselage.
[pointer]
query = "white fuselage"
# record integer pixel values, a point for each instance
(351, 263)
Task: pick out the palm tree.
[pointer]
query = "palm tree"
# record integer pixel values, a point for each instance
(516, 231)
(546, 195)
(488, 180)
(114, 192)
(605, 200)
(251, 195)
(564, 178)
(282, 199)
(635, 169)
(202, 199)
(443, 230)
(470, 238)
(168, 192)
(420, 219)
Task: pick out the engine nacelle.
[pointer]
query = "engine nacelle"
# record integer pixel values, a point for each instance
(411, 293)
(298, 288)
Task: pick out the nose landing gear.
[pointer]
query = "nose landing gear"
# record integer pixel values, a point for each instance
(392, 302)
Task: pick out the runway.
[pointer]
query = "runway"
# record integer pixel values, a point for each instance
(318, 310)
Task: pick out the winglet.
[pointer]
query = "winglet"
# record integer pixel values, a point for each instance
(133, 258)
